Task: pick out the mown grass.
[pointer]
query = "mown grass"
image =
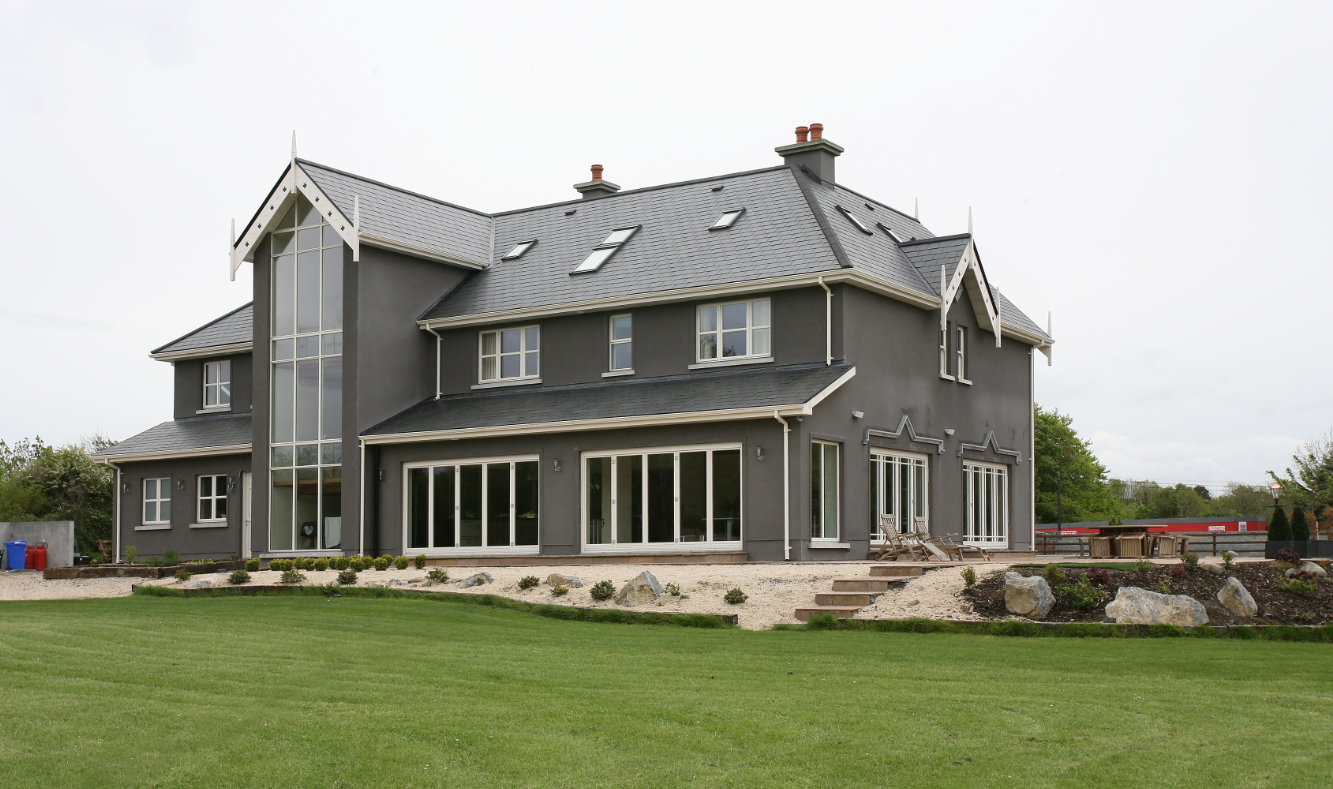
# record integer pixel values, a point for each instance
(294, 691)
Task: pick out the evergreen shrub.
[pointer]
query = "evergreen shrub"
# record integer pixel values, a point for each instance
(1279, 528)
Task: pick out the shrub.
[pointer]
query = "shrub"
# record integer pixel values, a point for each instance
(438, 576)
(1296, 586)
(1143, 566)
(382, 563)
(1054, 575)
(1082, 595)
(1279, 528)
(1227, 556)
(969, 577)
(357, 563)
(559, 591)
(1300, 527)
(153, 561)
(1191, 560)
(420, 561)
(171, 557)
(735, 596)
(252, 565)
(239, 577)
(131, 553)
(290, 577)
(321, 565)
(338, 563)
(1098, 575)
(1289, 556)
(183, 575)
(822, 622)
(305, 563)
(673, 590)
(1164, 587)
(347, 578)
(602, 591)
(1178, 571)
(401, 562)
(529, 581)
(280, 565)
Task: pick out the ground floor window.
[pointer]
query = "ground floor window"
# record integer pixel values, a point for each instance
(661, 496)
(490, 503)
(824, 489)
(899, 493)
(306, 499)
(985, 503)
(212, 497)
(156, 501)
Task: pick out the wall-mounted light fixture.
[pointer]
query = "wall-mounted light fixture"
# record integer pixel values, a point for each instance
(948, 431)
(380, 475)
(759, 453)
(858, 414)
(180, 484)
(125, 487)
(556, 464)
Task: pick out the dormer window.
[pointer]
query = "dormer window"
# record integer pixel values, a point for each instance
(727, 219)
(519, 249)
(598, 257)
(859, 224)
(217, 385)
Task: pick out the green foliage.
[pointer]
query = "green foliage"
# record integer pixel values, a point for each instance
(382, 563)
(171, 557)
(154, 561)
(278, 565)
(321, 564)
(1311, 483)
(1084, 495)
(420, 561)
(1163, 587)
(131, 553)
(1227, 556)
(357, 563)
(969, 577)
(602, 591)
(673, 590)
(183, 575)
(1191, 560)
(1279, 528)
(1082, 595)
(292, 577)
(338, 563)
(1300, 527)
(528, 581)
(1054, 575)
(1143, 566)
(438, 575)
(401, 562)
(239, 577)
(559, 591)
(43, 483)
(347, 578)
(1296, 586)
(252, 565)
(735, 596)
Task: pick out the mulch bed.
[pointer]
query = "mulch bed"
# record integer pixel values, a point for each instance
(1260, 578)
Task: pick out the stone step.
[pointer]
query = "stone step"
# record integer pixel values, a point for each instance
(845, 598)
(890, 571)
(840, 611)
(865, 584)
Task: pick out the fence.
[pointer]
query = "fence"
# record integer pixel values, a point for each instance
(1202, 543)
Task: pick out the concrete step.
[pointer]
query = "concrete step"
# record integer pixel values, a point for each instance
(858, 599)
(865, 584)
(890, 571)
(840, 611)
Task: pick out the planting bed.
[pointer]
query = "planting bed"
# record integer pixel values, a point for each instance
(1260, 578)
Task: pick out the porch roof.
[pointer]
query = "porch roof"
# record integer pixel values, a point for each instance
(190, 437)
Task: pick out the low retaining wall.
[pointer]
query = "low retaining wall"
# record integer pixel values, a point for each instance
(137, 571)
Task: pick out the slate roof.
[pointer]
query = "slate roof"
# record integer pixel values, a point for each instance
(185, 435)
(406, 217)
(701, 391)
(931, 256)
(235, 327)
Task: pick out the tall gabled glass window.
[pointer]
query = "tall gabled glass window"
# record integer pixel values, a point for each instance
(305, 508)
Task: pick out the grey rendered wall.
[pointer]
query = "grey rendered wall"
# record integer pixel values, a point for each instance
(189, 391)
(58, 536)
(212, 542)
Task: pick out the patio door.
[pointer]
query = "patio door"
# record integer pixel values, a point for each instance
(986, 504)
(899, 493)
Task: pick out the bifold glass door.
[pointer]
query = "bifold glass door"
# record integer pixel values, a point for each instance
(985, 504)
(473, 504)
(899, 494)
(662, 497)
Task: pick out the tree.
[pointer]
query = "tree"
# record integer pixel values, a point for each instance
(1311, 484)
(43, 483)
(1300, 527)
(1279, 529)
(1083, 491)
(1203, 492)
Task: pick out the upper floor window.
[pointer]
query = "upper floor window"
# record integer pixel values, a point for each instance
(212, 497)
(944, 350)
(508, 354)
(734, 331)
(622, 342)
(961, 352)
(156, 501)
(217, 384)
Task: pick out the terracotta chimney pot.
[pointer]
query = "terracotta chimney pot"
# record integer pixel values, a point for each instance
(801, 131)
(596, 172)
(816, 131)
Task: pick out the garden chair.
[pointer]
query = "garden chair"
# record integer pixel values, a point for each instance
(959, 551)
(891, 548)
(929, 549)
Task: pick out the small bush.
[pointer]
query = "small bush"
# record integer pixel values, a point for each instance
(1285, 555)
(153, 561)
(290, 577)
(131, 553)
(321, 565)
(338, 563)
(1054, 575)
(305, 563)
(171, 557)
(559, 591)
(1082, 595)
(1098, 575)
(969, 577)
(673, 590)
(1178, 571)
(239, 577)
(401, 562)
(1227, 556)
(438, 576)
(420, 561)
(735, 596)
(280, 565)
(1191, 560)
(347, 578)
(382, 563)
(1163, 587)
(1143, 566)
(602, 591)
(1296, 586)
(183, 575)
(822, 622)
(529, 581)
(252, 565)
(356, 563)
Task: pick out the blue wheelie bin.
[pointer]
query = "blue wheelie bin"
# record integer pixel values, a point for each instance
(16, 553)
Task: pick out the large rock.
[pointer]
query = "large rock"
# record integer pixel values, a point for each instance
(1236, 598)
(478, 579)
(642, 590)
(567, 581)
(1311, 567)
(1135, 606)
(1213, 567)
(199, 583)
(1030, 597)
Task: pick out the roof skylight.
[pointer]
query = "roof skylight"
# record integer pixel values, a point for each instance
(518, 250)
(605, 250)
(886, 229)
(859, 224)
(727, 219)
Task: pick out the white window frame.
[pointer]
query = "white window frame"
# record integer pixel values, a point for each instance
(471, 550)
(717, 333)
(707, 545)
(837, 496)
(611, 334)
(217, 385)
(219, 481)
(961, 335)
(163, 483)
(900, 461)
(995, 510)
(944, 351)
(498, 356)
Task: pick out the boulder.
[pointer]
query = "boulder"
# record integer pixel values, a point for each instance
(1311, 567)
(199, 583)
(1236, 598)
(1030, 597)
(643, 589)
(478, 579)
(1135, 606)
(567, 581)
(1213, 567)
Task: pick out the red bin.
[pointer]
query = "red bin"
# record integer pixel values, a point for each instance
(30, 558)
(39, 558)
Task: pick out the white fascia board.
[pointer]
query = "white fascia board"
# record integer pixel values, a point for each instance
(420, 252)
(613, 423)
(202, 452)
(851, 276)
(203, 353)
(275, 207)
(1036, 340)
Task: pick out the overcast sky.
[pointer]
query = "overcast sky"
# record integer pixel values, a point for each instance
(1155, 175)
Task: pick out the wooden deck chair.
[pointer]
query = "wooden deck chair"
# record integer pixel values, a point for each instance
(960, 550)
(893, 546)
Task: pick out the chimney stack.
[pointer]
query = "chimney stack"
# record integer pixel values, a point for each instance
(815, 155)
(596, 187)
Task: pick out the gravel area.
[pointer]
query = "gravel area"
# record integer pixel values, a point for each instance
(29, 585)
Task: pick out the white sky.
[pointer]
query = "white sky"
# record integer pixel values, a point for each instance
(1151, 173)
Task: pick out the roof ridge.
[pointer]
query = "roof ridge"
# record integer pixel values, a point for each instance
(249, 303)
(642, 189)
(953, 237)
(395, 188)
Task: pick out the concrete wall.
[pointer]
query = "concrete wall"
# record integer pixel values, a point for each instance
(188, 397)
(184, 536)
(58, 535)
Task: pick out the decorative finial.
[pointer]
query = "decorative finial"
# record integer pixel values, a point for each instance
(231, 250)
(916, 208)
(293, 144)
(969, 220)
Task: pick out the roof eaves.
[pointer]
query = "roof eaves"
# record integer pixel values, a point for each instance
(160, 348)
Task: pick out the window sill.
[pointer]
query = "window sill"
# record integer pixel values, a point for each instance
(506, 383)
(226, 410)
(285, 554)
(732, 362)
(153, 527)
(477, 550)
(617, 373)
(665, 547)
(209, 525)
(824, 544)
(964, 381)
(947, 377)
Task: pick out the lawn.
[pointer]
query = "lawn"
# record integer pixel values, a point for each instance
(355, 692)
